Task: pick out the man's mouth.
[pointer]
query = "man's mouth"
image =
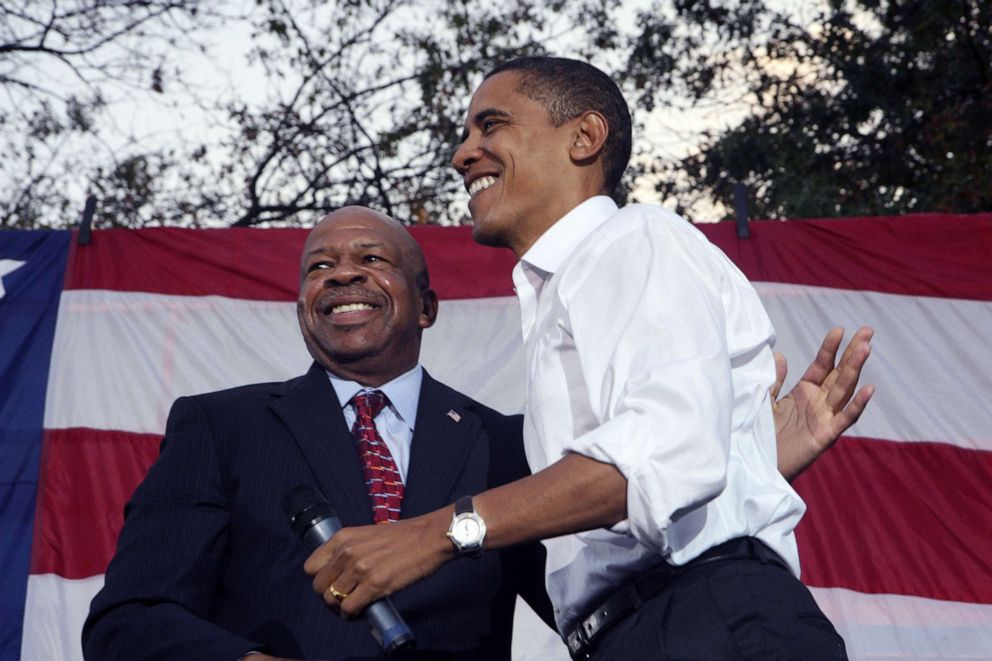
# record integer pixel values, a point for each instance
(481, 184)
(351, 307)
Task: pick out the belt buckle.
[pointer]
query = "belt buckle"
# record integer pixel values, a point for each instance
(582, 640)
(578, 643)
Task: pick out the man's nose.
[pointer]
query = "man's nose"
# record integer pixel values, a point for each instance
(345, 272)
(466, 154)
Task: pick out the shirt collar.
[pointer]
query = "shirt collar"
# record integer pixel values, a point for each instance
(552, 248)
(403, 392)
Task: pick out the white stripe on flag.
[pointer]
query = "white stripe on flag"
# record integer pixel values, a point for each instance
(475, 347)
(121, 358)
(54, 612)
(929, 357)
(889, 626)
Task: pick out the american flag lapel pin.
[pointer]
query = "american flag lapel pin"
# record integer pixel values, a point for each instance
(454, 416)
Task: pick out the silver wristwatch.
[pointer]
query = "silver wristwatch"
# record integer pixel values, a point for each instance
(467, 529)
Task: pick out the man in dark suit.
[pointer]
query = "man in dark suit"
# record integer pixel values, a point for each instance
(207, 567)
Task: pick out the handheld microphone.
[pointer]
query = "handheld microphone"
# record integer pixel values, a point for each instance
(314, 521)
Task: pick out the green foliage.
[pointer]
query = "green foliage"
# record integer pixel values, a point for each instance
(869, 108)
(832, 108)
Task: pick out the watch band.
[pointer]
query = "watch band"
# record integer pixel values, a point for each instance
(464, 505)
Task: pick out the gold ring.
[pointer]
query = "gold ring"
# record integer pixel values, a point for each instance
(336, 594)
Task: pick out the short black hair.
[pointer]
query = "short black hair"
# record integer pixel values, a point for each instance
(567, 88)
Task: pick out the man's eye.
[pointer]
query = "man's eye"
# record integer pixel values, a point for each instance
(318, 265)
(373, 258)
(488, 125)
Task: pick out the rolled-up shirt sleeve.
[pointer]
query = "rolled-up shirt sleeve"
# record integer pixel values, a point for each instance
(649, 330)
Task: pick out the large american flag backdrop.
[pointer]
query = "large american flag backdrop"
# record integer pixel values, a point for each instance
(97, 340)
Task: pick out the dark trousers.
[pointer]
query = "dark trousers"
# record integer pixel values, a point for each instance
(733, 609)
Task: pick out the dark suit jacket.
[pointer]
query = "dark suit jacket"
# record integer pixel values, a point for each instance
(206, 564)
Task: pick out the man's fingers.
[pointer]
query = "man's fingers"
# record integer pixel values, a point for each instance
(865, 333)
(781, 369)
(318, 558)
(341, 586)
(356, 602)
(853, 411)
(361, 584)
(857, 406)
(842, 382)
(347, 581)
(326, 565)
(825, 356)
(854, 352)
(323, 581)
(829, 384)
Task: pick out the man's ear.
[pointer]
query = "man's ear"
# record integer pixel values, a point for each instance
(589, 136)
(428, 313)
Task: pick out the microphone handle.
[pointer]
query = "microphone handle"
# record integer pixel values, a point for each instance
(321, 532)
(386, 625)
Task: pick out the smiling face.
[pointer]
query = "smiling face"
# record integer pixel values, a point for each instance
(515, 164)
(364, 298)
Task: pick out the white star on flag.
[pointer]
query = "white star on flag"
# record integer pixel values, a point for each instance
(8, 266)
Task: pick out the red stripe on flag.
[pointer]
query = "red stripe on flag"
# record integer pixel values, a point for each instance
(923, 255)
(884, 517)
(899, 518)
(917, 255)
(237, 262)
(87, 475)
(262, 264)
(461, 268)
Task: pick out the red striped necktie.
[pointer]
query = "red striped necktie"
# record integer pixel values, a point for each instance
(381, 475)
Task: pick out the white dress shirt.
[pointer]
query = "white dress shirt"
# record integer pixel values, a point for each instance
(647, 348)
(397, 420)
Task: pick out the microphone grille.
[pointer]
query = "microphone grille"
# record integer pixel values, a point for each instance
(301, 498)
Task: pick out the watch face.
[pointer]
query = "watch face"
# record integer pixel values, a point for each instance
(466, 530)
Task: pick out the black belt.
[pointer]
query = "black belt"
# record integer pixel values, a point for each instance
(582, 639)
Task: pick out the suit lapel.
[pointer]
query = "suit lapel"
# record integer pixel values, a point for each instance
(440, 448)
(309, 408)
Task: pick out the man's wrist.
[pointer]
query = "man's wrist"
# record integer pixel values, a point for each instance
(467, 530)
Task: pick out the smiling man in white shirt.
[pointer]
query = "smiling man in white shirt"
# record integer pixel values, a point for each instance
(648, 421)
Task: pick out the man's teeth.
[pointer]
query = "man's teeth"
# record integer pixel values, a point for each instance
(481, 184)
(350, 307)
